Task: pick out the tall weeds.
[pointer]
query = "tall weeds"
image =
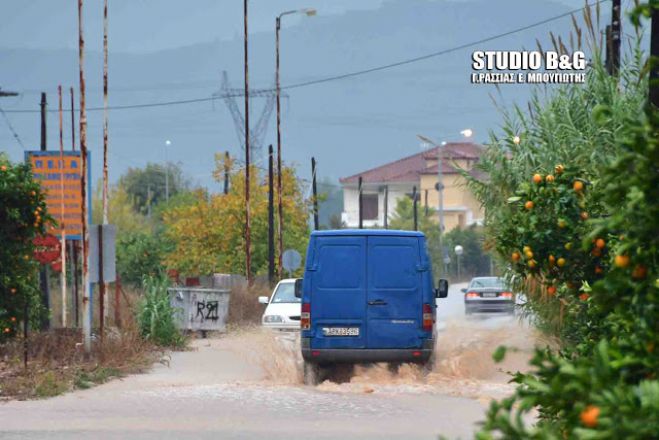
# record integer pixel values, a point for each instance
(155, 314)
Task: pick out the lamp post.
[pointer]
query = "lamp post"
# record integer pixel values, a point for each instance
(309, 12)
(440, 185)
(458, 251)
(167, 144)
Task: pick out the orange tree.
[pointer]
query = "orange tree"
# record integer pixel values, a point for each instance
(572, 210)
(208, 234)
(22, 217)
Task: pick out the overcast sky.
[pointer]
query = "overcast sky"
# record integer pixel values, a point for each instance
(150, 25)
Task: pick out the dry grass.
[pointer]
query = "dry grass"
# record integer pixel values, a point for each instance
(57, 362)
(244, 307)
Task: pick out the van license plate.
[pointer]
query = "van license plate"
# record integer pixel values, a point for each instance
(340, 331)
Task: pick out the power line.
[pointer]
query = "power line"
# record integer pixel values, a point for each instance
(11, 128)
(344, 75)
(440, 52)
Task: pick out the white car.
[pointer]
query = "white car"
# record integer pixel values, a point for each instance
(283, 310)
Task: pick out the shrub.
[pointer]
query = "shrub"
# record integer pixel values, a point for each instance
(139, 254)
(155, 317)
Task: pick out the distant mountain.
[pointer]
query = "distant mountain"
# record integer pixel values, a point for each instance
(348, 125)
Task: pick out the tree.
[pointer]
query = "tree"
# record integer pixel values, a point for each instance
(208, 235)
(23, 216)
(571, 204)
(147, 186)
(474, 260)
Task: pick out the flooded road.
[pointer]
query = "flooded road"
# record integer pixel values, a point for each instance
(247, 385)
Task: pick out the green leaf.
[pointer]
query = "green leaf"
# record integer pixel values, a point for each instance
(499, 353)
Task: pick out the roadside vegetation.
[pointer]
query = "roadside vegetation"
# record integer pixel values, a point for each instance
(475, 260)
(571, 210)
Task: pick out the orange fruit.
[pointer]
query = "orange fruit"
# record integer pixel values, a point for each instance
(598, 270)
(568, 246)
(551, 259)
(559, 169)
(7, 329)
(12, 290)
(551, 290)
(549, 178)
(584, 215)
(529, 254)
(537, 179)
(584, 296)
(560, 262)
(600, 243)
(13, 319)
(561, 223)
(3, 168)
(526, 248)
(596, 252)
(589, 416)
(622, 261)
(639, 272)
(529, 205)
(577, 185)
(34, 193)
(515, 257)
(531, 264)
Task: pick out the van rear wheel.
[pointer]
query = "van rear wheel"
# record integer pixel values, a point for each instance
(312, 373)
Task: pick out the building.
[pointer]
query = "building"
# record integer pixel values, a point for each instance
(383, 186)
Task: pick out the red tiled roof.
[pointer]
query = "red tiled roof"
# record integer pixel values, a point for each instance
(408, 168)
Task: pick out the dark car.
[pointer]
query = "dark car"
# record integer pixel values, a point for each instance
(488, 294)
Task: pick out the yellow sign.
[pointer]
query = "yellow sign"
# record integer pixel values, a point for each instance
(48, 168)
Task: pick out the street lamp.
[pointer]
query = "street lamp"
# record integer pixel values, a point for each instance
(458, 251)
(167, 144)
(309, 12)
(440, 185)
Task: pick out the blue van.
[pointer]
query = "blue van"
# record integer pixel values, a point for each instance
(367, 296)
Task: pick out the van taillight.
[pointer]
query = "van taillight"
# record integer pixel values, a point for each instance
(305, 316)
(427, 317)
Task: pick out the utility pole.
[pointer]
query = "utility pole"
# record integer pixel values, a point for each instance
(414, 203)
(86, 296)
(105, 112)
(280, 208)
(44, 273)
(440, 191)
(613, 33)
(103, 286)
(654, 52)
(43, 105)
(359, 188)
(73, 122)
(386, 207)
(316, 226)
(271, 219)
(227, 158)
(248, 252)
(74, 245)
(62, 225)
(425, 202)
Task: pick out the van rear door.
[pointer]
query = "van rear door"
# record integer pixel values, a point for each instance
(394, 295)
(338, 292)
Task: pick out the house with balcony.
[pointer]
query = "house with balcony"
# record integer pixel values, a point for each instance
(384, 185)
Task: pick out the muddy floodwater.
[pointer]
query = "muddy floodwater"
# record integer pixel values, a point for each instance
(247, 384)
